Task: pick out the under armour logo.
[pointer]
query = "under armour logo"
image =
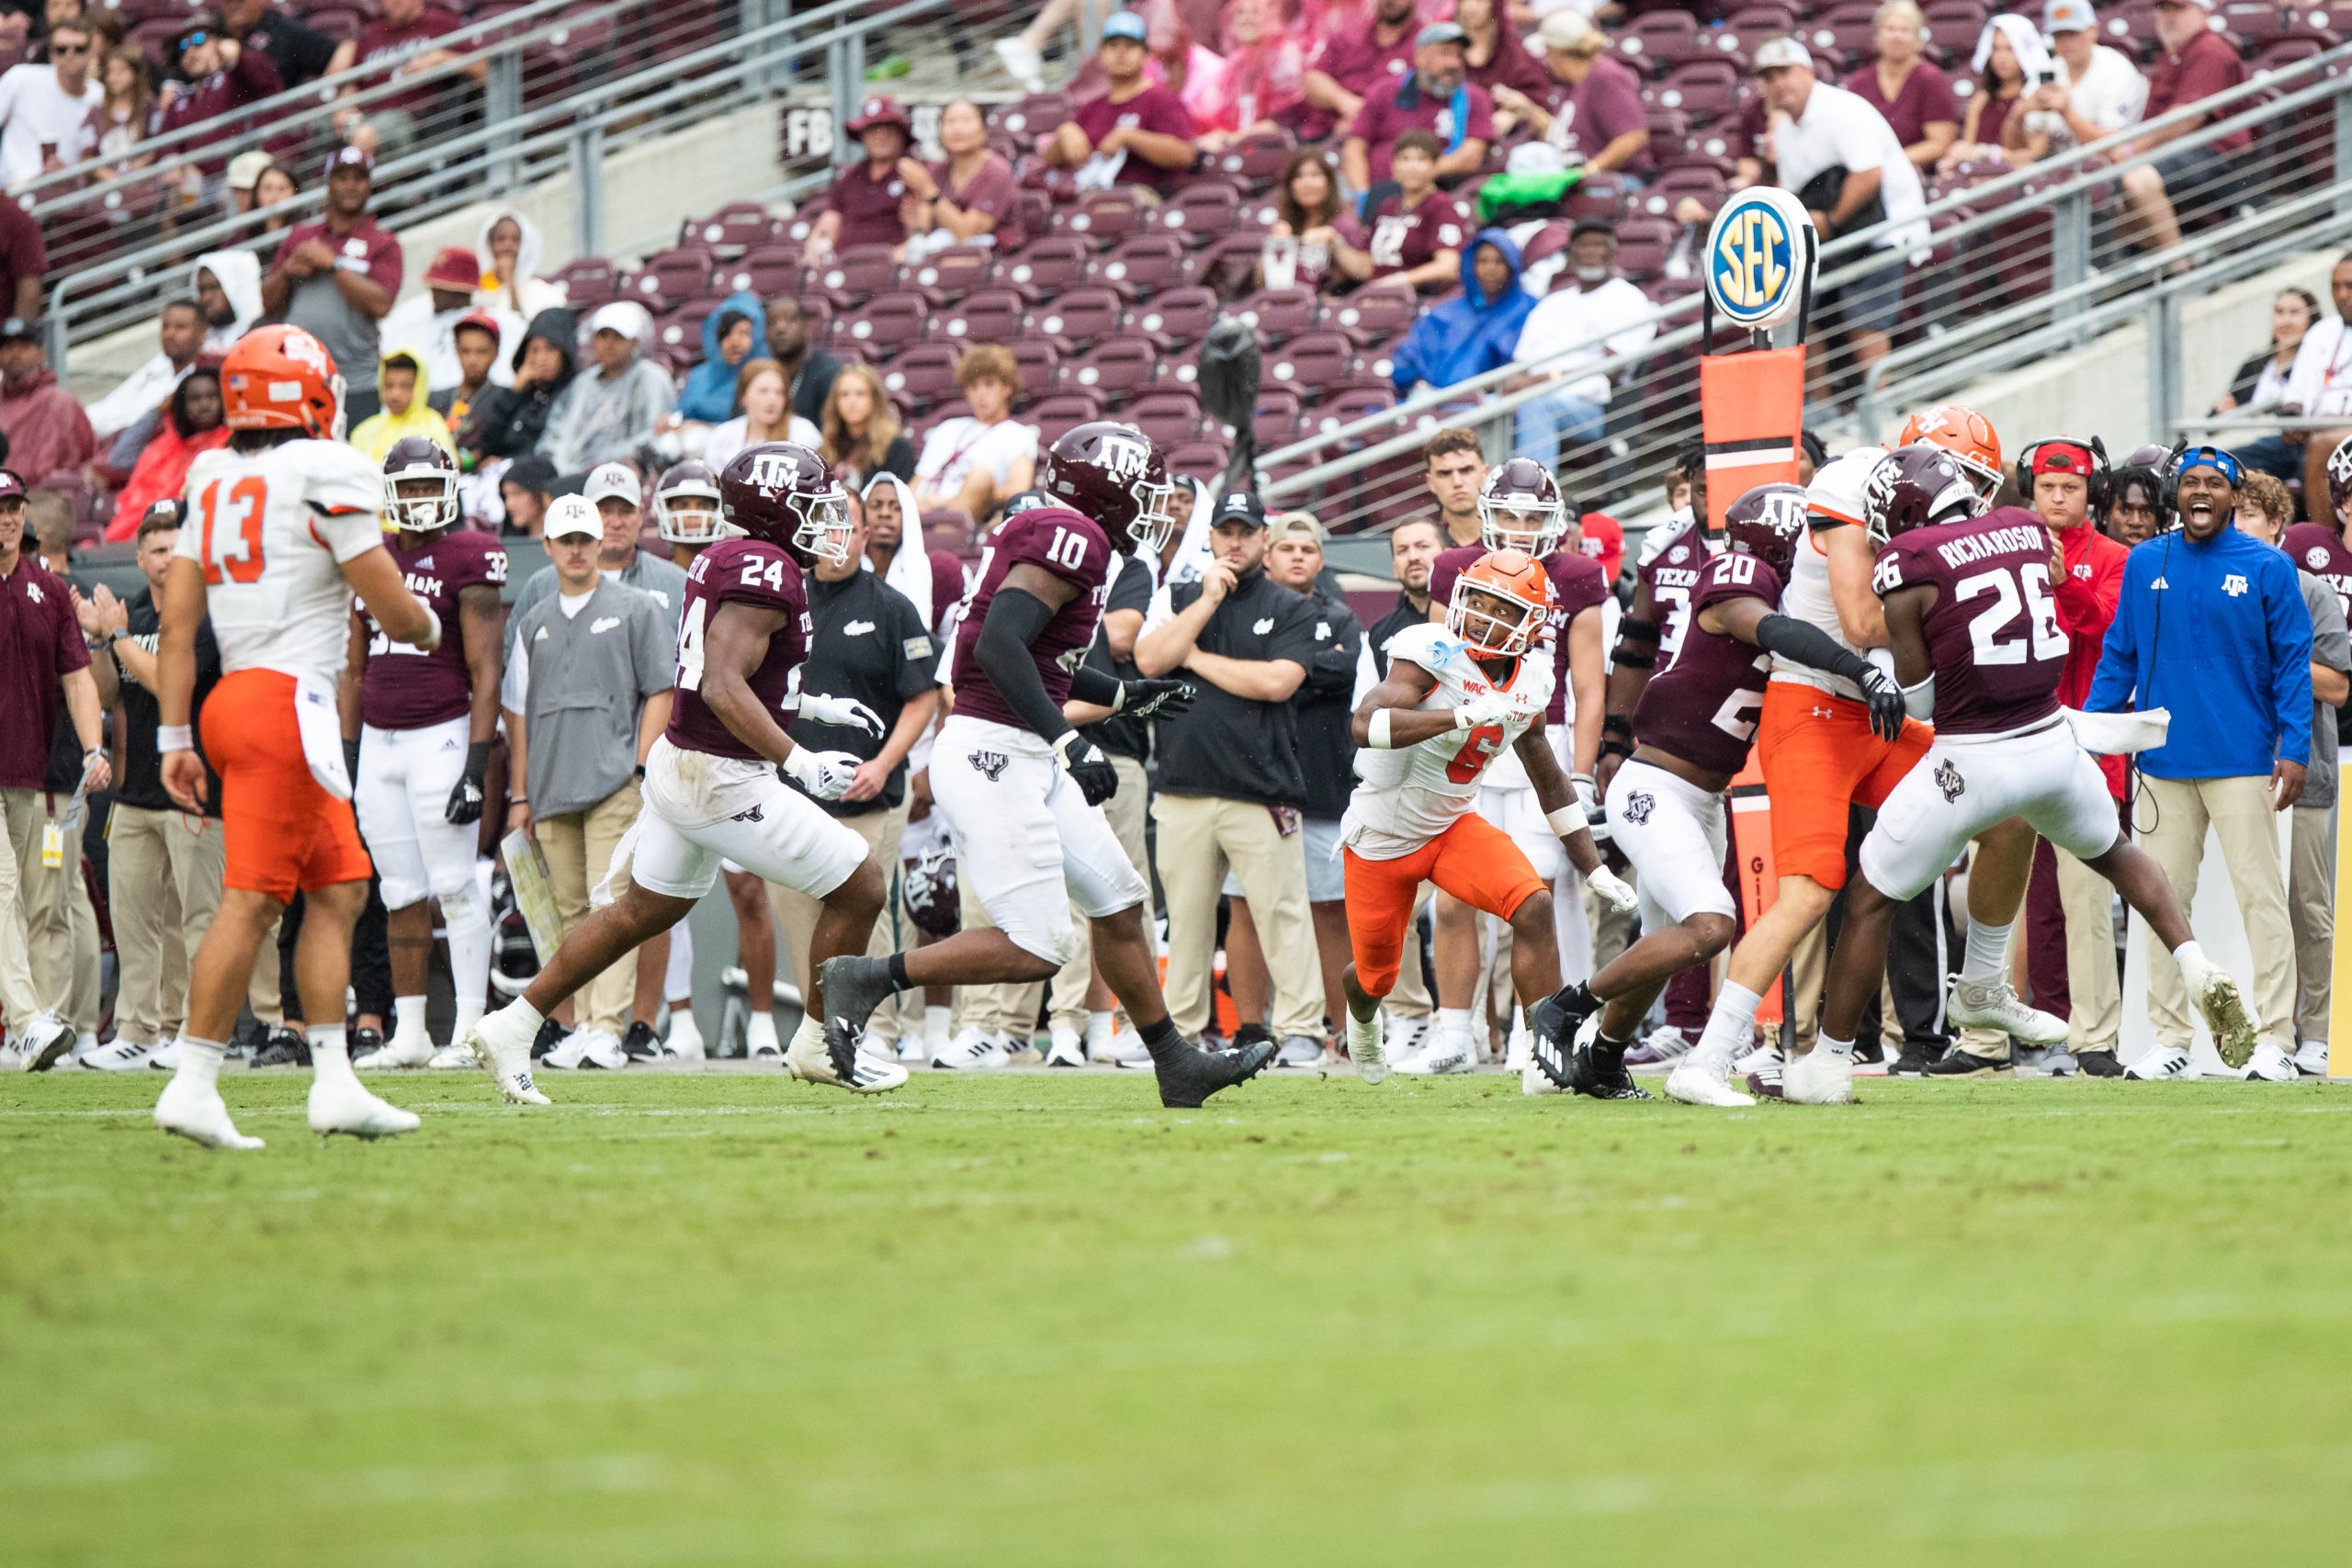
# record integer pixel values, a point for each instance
(991, 764)
(1947, 780)
(1638, 806)
(2234, 585)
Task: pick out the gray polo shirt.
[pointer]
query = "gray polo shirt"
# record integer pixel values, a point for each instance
(2331, 650)
(581, 681)
(665, 581)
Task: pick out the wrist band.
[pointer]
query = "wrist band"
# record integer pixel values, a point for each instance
(174, 738)
(1376, 732)
(1119, 699)
(1568, 820)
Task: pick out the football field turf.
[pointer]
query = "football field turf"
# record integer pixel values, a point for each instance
(1038, 1320)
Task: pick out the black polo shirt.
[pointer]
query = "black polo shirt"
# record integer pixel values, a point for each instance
(1326, 705)
(1120, 734)
(868, 644)
(1388, 626)
(64, 741)
(1230, 747)
(141, 783)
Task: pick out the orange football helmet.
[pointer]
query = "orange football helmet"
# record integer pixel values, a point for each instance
(1498, 603)
(282, 379)
(1968, 435)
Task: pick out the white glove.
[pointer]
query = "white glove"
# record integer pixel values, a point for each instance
(1615, 888)
(826, 775)
(1588, 801)
(1485, 709)
(846, 712)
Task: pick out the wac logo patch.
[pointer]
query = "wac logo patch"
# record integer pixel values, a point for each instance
(1947, 780)
(991, 764)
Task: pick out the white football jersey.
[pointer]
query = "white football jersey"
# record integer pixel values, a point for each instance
(1407, 796)
(1807, 598)
(271, 530)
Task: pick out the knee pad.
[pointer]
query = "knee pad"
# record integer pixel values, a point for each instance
(399, 886)
(462, 906)
(1059, 946)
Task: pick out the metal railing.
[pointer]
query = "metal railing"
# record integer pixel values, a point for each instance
(2042, 250)
(481, 140)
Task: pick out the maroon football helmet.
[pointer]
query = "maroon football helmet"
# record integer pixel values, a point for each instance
(1114, 474)
(783, 494)
(929, 891)
(1916, 487)
(1520, 508)
(2339, 477)
(420, 487)
(1766, 522)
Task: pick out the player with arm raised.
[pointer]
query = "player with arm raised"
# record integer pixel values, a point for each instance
(1976, 646)
(417, 726)
(1021, 791)
(1457, 696)
(715, 782)
(282, 530)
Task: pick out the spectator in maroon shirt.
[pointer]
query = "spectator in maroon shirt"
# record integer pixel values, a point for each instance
(23, 259)
(1142, 124)
(1438, 97)
(1352, 60)
(223, 76)
(400, 43)
(1597, 111)
(1415, 232)
(2197, 63)
(47, 432)
(1908, 91)
(873, 201)
(1493, 56)
(970, 197)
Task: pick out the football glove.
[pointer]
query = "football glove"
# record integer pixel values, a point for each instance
(1098, 781)
(826, 775)
(1588, 801)
(465, 799)
(1885, 699)
(1161, 699)
(1616, 889)
(846, 712)
(1485, 708)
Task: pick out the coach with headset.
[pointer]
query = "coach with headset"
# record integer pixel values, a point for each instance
(2210, 625)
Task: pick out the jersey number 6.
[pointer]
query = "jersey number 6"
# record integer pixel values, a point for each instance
(1476, 753)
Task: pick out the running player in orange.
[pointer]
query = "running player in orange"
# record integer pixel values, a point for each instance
(282, 530)
(1457, 696)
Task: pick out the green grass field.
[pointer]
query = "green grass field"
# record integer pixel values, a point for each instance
(1035, 1320)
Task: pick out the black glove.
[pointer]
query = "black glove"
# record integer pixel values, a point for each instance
(464, 800)
(1885, 698)
(351, 761)
(1097, 779)
(1161, 699)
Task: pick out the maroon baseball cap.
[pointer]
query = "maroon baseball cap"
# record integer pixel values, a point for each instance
(12, 485)
(880, 109)
(351, 158)
(481, 319)
(454, 267)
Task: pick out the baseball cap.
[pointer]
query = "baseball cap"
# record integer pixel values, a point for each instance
(1564, 29)
(1125, 25)
(244, 169)
(572, 517)
(2068, 17)
(351, 158)
(879, 110)
(481, 319)
(2063, 456)
(614, 480)
(454, 267)
(1775, 53)
(12, 485)
(625, 317)
(1240, 506)
(2209, 458)
(1440, 33)
(1294, 525)
(19, 326)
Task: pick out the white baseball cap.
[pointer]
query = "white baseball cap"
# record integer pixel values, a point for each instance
(572, 517)
(1775, 53)
(2068, 17)
(627, 317)
(614, 480)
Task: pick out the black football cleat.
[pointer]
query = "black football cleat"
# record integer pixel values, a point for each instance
(2098, 1065)
(1596, 1069)
(1552, 1024)
(1911, 1063)
(854, 987)
(1187, 1081)
(286, 1048)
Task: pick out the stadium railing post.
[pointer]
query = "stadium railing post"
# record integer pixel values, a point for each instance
(2342, 104)
(2070, 249)
(588, 190)
(845, 73)
(501, 106)
(2164, 356)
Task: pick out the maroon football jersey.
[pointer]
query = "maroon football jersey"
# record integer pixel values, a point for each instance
(1577, 584)
(1672, 573)
(1703, 707)
(1074, 548)
(2320, 550)
(1401, 241)
(401, 688)
(739, 571)
(1992, 633)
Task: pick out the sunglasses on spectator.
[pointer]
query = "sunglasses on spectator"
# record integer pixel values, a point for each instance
(192, 39)
(57, 49)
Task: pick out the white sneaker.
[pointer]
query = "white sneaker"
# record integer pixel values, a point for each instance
(456, 1056)
(1701, 1081)
(339, 1104)
(2312, 1059)
(1444, 1058)
(972, 1050)
(166, 1057)
(1521, 1050)
(1023, 63)
(599, 1049)
(2270, 1064)
(44, 1040)
(686, 1041)
(1764, 1053)
(1820, 1076)
(1364, 1045)
(1065, 1050)
(2225, 1015)
(2164, 1062)
(197, 1114)
(85, 1044)
(122, 1056)
(1533, 1079)
(914, 1048)
(1998, 1009)
(1126, 1049)
(400, 1051)
(500, 1044)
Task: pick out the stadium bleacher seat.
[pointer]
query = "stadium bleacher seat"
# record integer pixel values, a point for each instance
(1040, 364)
(1171, 415)
(985, 315)
(1278, 314)
(1059, 412)
(922, 375)
(1175, 317)
(883, 326)
(854, 276)
(766, 270)
(587, 281)
(671, 278)
(1350, 404)
(1203, 460)
(1077, 319)
(1751, 25)
(1102, 216)
(1258, 160)
(945, 277)
(1044, 267)
(1142, 265)
(1033, 115)
(1705, 89)
(1652, 43)
(1844, 32)
(1643, 245)
(1115, 371)
(1310, 361)
(1370, 316)
(1705, 185)
(729, 232)
(1200, 213)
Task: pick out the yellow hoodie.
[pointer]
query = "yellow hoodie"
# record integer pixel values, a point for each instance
(376, 433)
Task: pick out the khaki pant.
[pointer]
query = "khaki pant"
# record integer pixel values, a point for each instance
(2311, 908)
(795, 913)
(2094, 988)
(2172, 815)
(21, 816)
(163, 888)
(60, 941)
(579, 848)
(1200, 837)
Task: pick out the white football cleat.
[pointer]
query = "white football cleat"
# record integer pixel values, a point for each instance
(1365, 1046)
(1065, 1050)
(121, 1056)
(500, 1044)
(340, 1105)
(871, 1074)
(1444, 1058)
(972, 1050)
(196, 1113)
(2225, 1015)
(596, 1048)
(2312, 1059)
(1698, 1080)
(1998, 1009)
(1819, 1078)
(400, 1051)
(455, 1056)
(2270, 1064)
(2164, 1062)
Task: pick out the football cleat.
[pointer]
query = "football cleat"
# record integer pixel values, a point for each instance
(853, 986)
(2098, 1065)
(1191, 1074)
(1702, 1080)
(1997, 1008)
(338, 1104)
(501, 1043)
(2225, 1015)
(1365, 1046)
(1596, 1068)
(1299, 1051)
(970, 1051)
(46, 1038)
(400, 1051)
(2164, 1062)
(1819, 1078)
(1958, 1062)
(641, 1044)
(196, 1113)
(1662, 1047)
(868, 1074)
(1065, 1049)
(1765, 1081)
(456, 1056)
(1446, 1057)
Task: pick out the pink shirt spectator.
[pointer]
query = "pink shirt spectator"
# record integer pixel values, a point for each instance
(1262, 80)
(1925, 97)
(868, 207)
(2207, 66)
(388, 44)
(1604, 107)
(1388, 113)
(1155, 109)
(1354, 56)
(991, 191)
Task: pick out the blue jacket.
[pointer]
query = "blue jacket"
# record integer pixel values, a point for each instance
(708, 395)
(1468, 335)
(2216, 632)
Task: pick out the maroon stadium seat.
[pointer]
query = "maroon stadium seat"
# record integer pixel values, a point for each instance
(1077, 319)
(1350, 404)
(1599, 197)
(1175, 317)
(1203, 460)
(922, 374)
(1170, 415)
(341, 23)
(1371, 315)
(985, 315)
(681, 330)
(1044, 267)
(1670, 133)
(1314, 363)
(1651, 42)
(884, 325)
(1114, 371)
(1952, 26)
(766, 270)
(1257, 160)
(854, 276)
(947, 528)
(1200, 213)
(1751, 25)
(945, 277)
(729, 232)
(1033, 115)
(1102, 216)
(1039, 361)
(1844, 32)
(1061, 412)
(1142, 267)
(1229, 265)
(587, 280)
(1672, 185)
(1704, 89)
(671, 278)
(1545, 243)
(1643, 245)
(1279, 314)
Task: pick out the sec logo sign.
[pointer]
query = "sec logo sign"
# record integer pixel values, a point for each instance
(1759, 255)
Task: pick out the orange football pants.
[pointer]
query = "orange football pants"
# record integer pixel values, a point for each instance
(281, 832)
(1820, 755)
(1473, 860)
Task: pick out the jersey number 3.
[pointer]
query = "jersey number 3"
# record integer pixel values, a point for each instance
(252, 494)
(1476, 753)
